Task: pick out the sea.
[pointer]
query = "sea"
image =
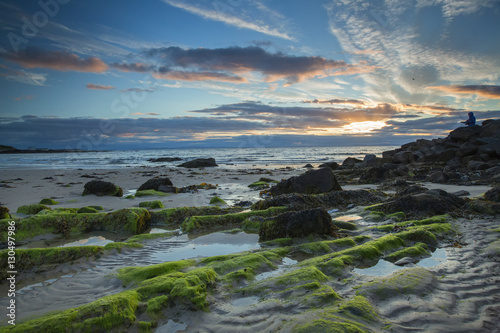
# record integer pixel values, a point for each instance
(237, 158)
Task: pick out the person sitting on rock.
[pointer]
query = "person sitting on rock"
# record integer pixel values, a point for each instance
(471, 121)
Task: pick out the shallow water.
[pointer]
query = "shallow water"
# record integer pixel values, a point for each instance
(95, 240)
(171, 327)
(384, 267)
(285, 265)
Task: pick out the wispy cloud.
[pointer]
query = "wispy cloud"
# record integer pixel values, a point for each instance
(56, 60)
(138, 90)
(22, 76)
(336, 101)
(145, 114)
(487, 91)
(242, 15)
(99, 87)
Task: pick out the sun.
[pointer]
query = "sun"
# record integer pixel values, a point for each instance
(363, 126)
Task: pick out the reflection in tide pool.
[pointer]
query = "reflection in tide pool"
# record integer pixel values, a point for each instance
(383, 267)
(214, 244)
(97, 240)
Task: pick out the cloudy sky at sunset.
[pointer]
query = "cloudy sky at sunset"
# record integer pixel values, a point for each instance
(194, 73)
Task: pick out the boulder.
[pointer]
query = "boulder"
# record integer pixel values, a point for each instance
(331, 165)
(154, 184)
(491, 128)
(403, 157)
(477, 165)
(463, 134)
(438, 177)
(351, 162)
(199, 163)
(493, 194)
(312, 182)
(102, 188)
(374, 174)
(168, 189)
(297, 224)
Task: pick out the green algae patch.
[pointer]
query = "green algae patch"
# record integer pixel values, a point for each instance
(152, 204)
(419, 250)
(105, 314)
(48, 201)
(314, 248)
(259, 185)
(189, 288)
(4, 213)
(436, 228)
(375, 216)
(418, 234)
(217, 201)
(232, 262)
(361, 239)
(145, 237)
(407, 281)
(156, 305)
(119, 246)
(359, 307)
(88, 210)
(139, 274)
(146, 326)
(344, 225)
(28, 258)
(398, 216)
(213, 222)
(175, 216)
(279, 242)
(305, 274)
(247, 274)
(130, 220)
(495, 229)
(32, 209)
(146, 193)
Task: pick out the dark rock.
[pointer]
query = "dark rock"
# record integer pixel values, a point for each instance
(467, 151)
(351, 162)
(493, 194)
(308, 166)
(389, 154)
(463, 134)
(461, 193)
(331, 165)
(425, 204)
(199, 163)
(312, 182)
(297, 224)
(4, 213)
(403, 157)
(337, 199)
(414, 189)
(374, 174)
(438, 177)
(154, 184)
(369, 157)
(102, 188)
(244, 204)
(477, 165)
(165, 159)
(491, 128)
(168, 189)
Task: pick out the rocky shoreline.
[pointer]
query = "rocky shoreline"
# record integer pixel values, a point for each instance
(312, 240)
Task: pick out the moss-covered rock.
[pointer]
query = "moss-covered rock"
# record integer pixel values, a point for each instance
(217, 201)
(139, 274)
(152, 204)
(4, 213)
(175, 216)
(227, 221)
(146, 193)
(32, 209)
(88, 210)
(359, 307)
(102, 188)
(419, 250)
(344, 225)
(48, 201)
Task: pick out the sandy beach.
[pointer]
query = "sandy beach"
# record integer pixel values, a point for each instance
(457, 290)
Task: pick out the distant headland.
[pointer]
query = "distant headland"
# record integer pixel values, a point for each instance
(35, 150)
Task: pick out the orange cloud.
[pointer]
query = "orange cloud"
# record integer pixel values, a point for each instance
(99, 87)
(488, 91)
(199, 76)
(56, 60)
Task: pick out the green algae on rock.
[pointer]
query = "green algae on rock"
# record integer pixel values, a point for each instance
(102, 188)
(152, 204)
(32, 209)
(175, 216)
(145, 193)
(48, 201)
(4, 213)
(139, 274)
(217, 201)
(419, 250)
(88, 210)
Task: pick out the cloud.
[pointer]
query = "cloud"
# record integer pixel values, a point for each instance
(487, 91)
(240, 60)
(145, 114)
(336, 101)
(198, 76)
(137, 90)
(56, 60)
(23, 97)
(22, 76)
(239, 15)
(133, 67)
(99, 87)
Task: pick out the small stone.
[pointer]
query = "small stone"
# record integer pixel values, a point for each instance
(404, 261)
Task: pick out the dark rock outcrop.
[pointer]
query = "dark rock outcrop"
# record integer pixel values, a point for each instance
(493, 194)
(154, 184)
(165, 159)
(312, 182)
(102, 188)
(297, 224)
(199, 163)
(331, 165)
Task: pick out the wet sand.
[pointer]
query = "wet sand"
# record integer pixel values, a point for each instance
(461, 293)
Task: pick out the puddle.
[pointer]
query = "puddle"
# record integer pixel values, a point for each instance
(287, 262)
(158, 231)
(245, 301)
(348, 218)
(95, 240)
(171, 327)
(214, 244)
(384, 268)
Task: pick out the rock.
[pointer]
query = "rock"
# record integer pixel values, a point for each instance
(168, 189)
(403, 157)
(297, 224)
(154, 184)
(491, 128)
(369, 157)
(477, 165)
(351, 162)
(405, 261)
(374, 174)
(425, 204)
(493, 194)
(414, 189)
(48, 201)
(165, 159)
(4, 213)
(312, 182)
(461, 193)
(331, 165)
(102, 188)
(308, 166)
(152, 204)
(438, 177)
(32, 209)
(199, 163)
(463, 134)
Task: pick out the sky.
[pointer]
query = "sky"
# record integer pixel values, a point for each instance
(125, 74)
